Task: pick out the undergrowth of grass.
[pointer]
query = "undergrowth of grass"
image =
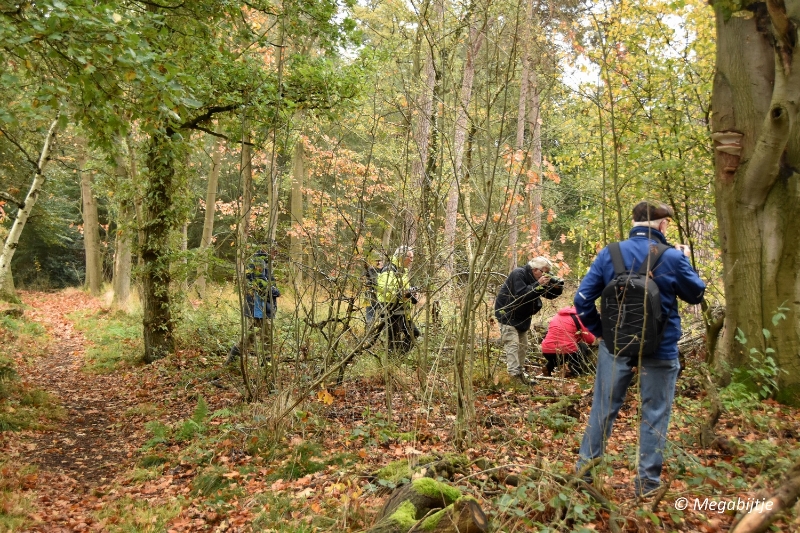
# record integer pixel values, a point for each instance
(115, 339)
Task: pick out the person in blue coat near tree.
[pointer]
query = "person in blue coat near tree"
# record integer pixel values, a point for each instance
(261, 302)
(675, 278)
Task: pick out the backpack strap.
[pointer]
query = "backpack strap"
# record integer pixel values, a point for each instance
(653, 256)
(578, 328)
(616, 258)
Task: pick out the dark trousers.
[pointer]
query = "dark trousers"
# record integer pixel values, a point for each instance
(575, 360)
(402, 332)
(257, 329)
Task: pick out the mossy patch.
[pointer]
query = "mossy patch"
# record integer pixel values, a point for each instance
(789, 395)
(397, 471)
(433, 489)
(405, 515)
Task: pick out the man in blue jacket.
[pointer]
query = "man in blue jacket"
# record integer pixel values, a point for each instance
(675, 278)
(260, 303)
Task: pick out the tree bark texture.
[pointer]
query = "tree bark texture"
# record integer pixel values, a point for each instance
(535, 128)
(422, 129)
(757, 158)
(159, 221)
(123, 242)
(476, 37)
(519, 141)
(208, 220)
(247, 184)
(122, 258)
(296, 207)
(91, 226)
(23, 213)
(782, 499)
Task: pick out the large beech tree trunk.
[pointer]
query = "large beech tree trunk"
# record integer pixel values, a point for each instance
(24, 211)
(756, 135)
(159, 221)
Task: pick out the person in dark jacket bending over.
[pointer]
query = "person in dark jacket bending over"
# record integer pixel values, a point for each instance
(675, 278)
(519, 298)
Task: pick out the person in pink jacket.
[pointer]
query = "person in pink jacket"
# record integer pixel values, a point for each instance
(560, 345)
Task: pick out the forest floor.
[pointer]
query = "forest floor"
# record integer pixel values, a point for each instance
(120, 446)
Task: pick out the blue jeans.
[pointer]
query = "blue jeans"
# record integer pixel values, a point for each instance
(657, 384)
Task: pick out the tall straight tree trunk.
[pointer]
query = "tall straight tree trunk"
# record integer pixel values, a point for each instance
(535, 188)
(126, 222)
(185, 260)
(519, 141)
(138, 196)
(422, 130)
(247, 183)
(122, 258)
(24, 211)
(158, 223)
(208, 220)
(91, 225)
(474, 44)
(756, 132)
(296, 209)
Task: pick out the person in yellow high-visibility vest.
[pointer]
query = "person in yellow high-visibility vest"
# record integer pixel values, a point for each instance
(397, 299)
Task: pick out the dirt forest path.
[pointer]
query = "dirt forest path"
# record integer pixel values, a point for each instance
(87, 447)
(81, 455)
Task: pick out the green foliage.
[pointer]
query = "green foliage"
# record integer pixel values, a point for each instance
(211, 327)
(196, 424)
(302, 461)
(161, 434)
(128, 514)
(761, 372)
(275, 514)
(183, 432)
(116, 339)
(210, 481)
(7, 374)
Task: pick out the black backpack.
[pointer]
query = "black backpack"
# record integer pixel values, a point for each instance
(630, 307)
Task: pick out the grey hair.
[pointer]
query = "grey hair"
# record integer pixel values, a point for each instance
(540, 263)
(649, 223)
(402, 251)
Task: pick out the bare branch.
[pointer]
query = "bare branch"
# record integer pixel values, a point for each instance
(9, 198)
(19, 146)
(193, 123)
(220, 135)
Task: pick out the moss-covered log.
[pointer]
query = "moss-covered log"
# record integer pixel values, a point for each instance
(424, 494)
(463, 516)
(415, 506)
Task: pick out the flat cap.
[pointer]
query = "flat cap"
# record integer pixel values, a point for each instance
(644, 211)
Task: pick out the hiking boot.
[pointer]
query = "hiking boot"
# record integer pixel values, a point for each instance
(524, 379)
(645, 490)
(232, 355)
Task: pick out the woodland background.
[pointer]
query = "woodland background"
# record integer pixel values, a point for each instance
(482, 133)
